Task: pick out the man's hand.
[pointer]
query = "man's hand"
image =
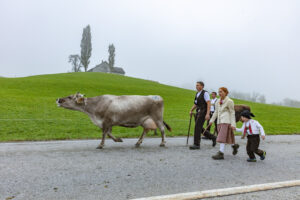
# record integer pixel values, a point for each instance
(210, 123)
(233, 128)
(263, 137)
(191, 113)
(207, 117)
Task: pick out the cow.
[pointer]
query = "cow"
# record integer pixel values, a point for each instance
(238, 111)
(131, 111)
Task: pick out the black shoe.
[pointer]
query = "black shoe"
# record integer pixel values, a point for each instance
(263, 156)
(194, 147)
(218, 156)
(235, 149)
(251, 160)
(214, 140)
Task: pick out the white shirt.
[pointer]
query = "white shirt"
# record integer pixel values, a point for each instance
(255, 127)
(206, 96)
(213, 102)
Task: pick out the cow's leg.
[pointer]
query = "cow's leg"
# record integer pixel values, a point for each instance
(101, 145)
(105, 131)
(139, 142)
(148, 125)
(114, 138)
(161, 127)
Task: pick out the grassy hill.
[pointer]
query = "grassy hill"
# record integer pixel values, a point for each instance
(28, 110)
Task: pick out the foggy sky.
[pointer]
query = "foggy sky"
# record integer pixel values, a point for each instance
(244, 45)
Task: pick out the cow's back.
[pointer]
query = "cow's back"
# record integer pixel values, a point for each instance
(132, 109)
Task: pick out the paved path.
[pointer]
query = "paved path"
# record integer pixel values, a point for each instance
(76, 170)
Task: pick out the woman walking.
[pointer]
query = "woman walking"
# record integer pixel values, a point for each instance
(225, 115)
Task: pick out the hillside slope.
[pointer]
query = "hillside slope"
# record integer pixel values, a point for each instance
(28, 110)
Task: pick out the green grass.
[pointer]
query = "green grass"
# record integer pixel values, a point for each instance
(28, 110)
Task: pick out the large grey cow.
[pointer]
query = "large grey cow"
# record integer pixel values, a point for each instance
(107, 111)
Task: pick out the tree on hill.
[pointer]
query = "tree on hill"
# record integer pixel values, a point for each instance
(86, 47)
(261, 99)
(75, 62)
(254, 97)
(111, 57)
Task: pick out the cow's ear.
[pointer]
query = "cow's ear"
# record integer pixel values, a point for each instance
(80, 100)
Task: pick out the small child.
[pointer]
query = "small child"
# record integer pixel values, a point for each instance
(252, 129)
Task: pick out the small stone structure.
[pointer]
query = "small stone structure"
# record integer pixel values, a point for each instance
(104, 67)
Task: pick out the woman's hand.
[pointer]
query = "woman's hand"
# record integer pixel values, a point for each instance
(210, 123)
(191, 113)
(233, 128)
(263, 137)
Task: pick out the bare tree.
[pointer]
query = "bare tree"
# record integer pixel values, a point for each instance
(261, 99)
(86, 47)
(76, 63)
(111, 57)
(291, 103)
(254, 96)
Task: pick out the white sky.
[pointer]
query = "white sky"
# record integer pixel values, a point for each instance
(250, 45)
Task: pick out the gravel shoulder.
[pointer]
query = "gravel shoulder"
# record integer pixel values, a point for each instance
(77, 170)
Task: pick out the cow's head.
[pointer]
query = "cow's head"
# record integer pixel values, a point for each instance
(72, 102)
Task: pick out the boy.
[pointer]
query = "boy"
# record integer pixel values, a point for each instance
(252, 129)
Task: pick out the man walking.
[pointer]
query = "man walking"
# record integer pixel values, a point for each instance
(212, 110)
(202, 106)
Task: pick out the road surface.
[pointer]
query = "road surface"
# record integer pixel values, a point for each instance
(77, 170)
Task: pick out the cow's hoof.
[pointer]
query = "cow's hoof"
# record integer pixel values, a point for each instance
(100, 147)
(162, 145)
(137, 145)
(119, 140)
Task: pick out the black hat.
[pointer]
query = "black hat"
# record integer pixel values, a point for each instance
(247, 114)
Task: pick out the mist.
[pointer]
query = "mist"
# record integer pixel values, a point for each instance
(247, 46)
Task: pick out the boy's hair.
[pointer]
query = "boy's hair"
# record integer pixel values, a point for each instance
(214, 93)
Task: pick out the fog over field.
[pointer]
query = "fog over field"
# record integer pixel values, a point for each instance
(248, 46)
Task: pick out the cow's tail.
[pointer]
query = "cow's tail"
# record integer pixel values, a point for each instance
(167, 126)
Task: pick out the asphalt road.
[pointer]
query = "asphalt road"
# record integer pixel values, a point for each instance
(77, 170)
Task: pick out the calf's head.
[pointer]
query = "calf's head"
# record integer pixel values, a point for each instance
(73, 102)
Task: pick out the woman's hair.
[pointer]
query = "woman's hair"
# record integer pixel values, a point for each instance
(224, 89)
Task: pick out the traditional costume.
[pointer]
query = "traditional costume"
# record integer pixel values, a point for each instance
(212, 110)
(252, 129)
(201, 99)
(225, 116)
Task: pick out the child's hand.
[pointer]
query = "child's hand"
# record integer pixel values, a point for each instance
(263, 137)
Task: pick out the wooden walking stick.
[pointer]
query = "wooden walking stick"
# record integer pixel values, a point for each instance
(188, 136)
(206, 129)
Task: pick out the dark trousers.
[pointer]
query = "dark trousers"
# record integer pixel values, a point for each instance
(199, 122)
(216, 129)
(252, 146)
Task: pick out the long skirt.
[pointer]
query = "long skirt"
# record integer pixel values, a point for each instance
(226, 134)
